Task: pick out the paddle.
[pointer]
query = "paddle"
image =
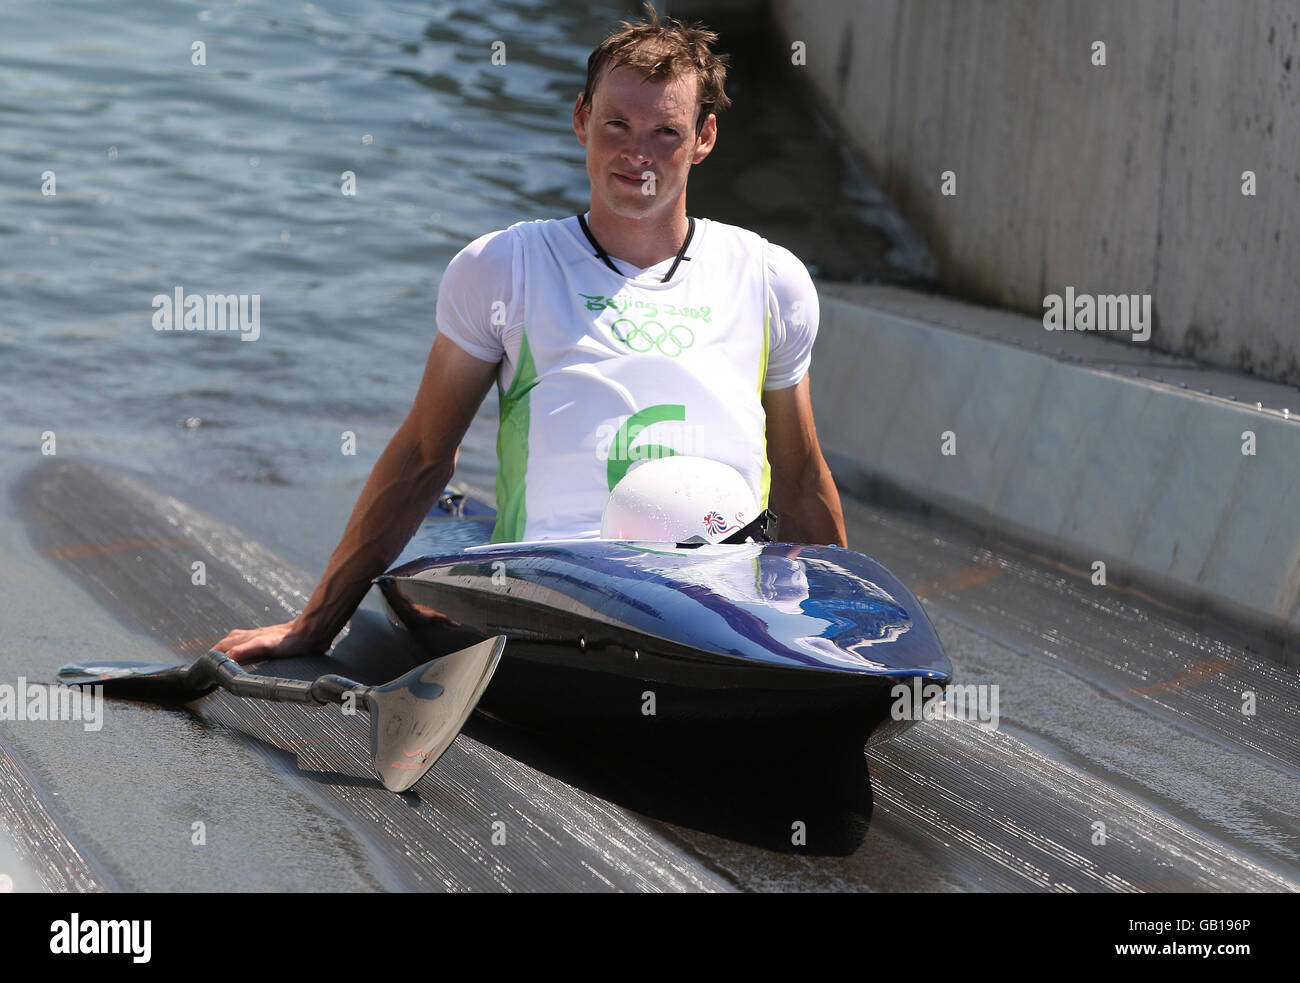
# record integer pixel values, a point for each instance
(413, 719)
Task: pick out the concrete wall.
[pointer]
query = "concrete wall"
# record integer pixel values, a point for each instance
(1117, 179)
(1085, 464)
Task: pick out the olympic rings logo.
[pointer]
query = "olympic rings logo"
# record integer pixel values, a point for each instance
(639, 337)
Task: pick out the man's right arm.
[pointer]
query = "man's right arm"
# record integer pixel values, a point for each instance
(415, 466)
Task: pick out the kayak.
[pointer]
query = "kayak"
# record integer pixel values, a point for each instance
(775, 644)
(718, 650)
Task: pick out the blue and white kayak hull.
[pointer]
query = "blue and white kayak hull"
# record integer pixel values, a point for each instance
(773, 642)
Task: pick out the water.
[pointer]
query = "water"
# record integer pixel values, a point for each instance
(225, 178)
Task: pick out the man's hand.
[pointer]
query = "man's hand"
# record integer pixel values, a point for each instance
(272, 642)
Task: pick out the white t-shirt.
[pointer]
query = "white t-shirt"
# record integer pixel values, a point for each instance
(601, 369)
(487, 272)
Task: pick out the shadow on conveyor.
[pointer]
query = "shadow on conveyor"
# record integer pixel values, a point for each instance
(812, 806)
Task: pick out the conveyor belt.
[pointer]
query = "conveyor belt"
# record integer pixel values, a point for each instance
(132, 549)
(1112, 712)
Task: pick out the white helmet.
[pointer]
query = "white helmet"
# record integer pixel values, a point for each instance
(679, 499)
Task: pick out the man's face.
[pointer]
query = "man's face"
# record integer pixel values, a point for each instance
(641, 142)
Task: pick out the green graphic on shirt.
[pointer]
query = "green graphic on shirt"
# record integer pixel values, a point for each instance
(642, 337)
(512, 449)
(622, 454)
(623, 303)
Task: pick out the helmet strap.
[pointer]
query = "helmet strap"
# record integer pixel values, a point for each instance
(761, 530)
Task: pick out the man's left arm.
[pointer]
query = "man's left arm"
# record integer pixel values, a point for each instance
(803, 493)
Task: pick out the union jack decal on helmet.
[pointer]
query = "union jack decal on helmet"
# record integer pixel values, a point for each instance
(715, 524)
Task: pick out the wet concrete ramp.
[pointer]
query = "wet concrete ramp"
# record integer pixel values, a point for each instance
(479, 821)
(1113, 713)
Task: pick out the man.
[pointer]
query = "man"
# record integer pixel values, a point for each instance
(633, 318)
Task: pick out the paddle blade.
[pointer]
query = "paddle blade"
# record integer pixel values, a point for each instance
(414, 719)
(156, 681)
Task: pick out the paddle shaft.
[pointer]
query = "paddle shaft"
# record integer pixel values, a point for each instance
(225, 672)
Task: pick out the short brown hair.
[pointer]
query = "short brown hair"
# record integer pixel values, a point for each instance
(664, 51)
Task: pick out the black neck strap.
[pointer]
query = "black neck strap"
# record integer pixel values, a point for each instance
(604, 256)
